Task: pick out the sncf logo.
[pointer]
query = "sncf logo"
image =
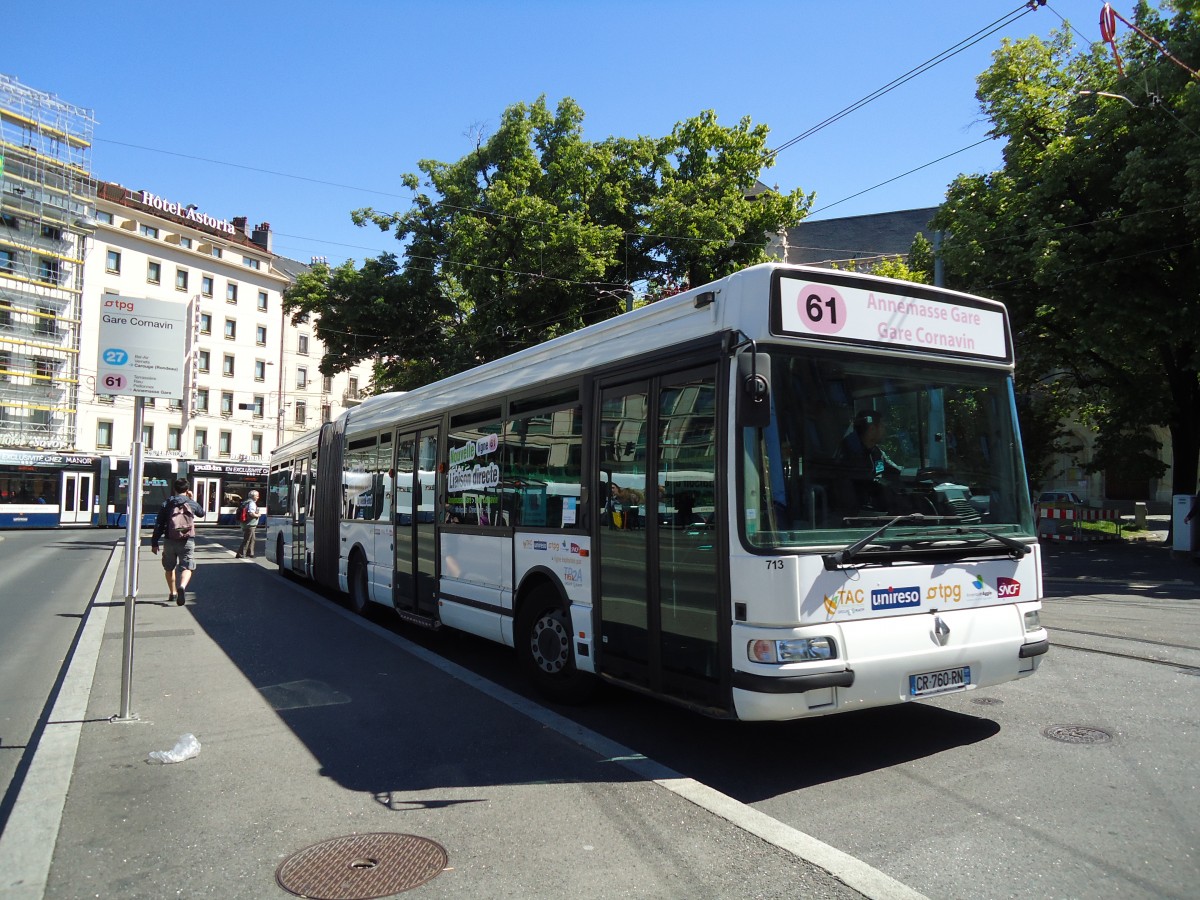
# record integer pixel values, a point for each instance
(1008, 587)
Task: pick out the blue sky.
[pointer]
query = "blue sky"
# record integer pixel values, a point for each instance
(190, 101)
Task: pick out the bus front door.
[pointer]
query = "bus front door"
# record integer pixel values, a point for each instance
(76, 498)
(660, 579)
(416, 531)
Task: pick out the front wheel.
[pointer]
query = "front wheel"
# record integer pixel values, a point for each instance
(546, 650)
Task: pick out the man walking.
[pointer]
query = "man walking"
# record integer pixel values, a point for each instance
(176, 528)
(248, 518)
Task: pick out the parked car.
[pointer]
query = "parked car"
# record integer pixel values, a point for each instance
(1059, 497)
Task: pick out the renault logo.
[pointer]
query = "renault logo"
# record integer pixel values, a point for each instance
(941, 631)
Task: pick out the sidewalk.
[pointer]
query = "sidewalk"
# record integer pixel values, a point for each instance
(316, 724)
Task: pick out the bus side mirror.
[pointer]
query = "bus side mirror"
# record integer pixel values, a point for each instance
(754, 390)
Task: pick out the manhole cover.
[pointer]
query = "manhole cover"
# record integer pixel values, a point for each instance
(988, 701)
(361, 867)
(1077, 734)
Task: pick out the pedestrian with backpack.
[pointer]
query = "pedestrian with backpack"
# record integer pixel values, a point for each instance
(247, 516)
(176, 529)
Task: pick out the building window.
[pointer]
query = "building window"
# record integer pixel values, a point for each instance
(206, 285)
(53, 232)
(104, 435)
(231, 293)
(174, 435)
(225, 443)
(259, 405)
(205, 323)
(112, 262)
(148, 436)
(251, 263)
(181, 279)
(174, 403)
(202, 360)
(256, 444)
(226, 403)
(7, 260)
(327, 384)
(262, 301)
(352, 387)
(201, 441)
(301, 377)
(104, 218)
(301, 413)
(47, 321)
(43, 367)
(326, 412)
(153, 272)
(230, 329)
(260, 335)
(202, 400)
(49, 270)
(149, 231)
(185, 242)
(227, 365)
(260, 370)
(302, 344)
(216, 252)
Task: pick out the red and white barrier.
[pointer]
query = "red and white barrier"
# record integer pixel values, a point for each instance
(1076, 515)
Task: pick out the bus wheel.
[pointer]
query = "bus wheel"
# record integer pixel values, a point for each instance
(546, 650)
(279, 555)
(358, 584)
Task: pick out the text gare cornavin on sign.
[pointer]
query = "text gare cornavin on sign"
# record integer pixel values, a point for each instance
(127, 306)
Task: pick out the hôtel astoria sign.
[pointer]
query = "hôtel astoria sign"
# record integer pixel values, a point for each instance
(188, 212)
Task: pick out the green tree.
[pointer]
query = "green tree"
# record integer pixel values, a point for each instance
(538, 232)
(1090, 231)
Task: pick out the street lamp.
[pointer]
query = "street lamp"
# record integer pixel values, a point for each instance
(1107, 94)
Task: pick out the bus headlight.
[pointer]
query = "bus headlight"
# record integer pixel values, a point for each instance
(791, 650)
(1033, 621)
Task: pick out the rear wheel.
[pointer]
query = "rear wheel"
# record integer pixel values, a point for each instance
(546, 649)
(358, 584)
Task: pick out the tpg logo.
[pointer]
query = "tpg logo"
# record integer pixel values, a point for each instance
(1008, 588)
(123, 305)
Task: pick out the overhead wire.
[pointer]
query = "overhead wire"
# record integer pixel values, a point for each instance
(967, 42)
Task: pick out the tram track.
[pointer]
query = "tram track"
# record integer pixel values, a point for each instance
(1181, 657)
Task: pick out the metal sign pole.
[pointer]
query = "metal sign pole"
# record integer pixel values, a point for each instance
(133, 543)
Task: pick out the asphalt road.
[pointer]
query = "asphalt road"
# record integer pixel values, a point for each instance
(49, 578)
(1078, 782)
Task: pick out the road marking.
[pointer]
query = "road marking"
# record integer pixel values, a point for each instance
(27, 844)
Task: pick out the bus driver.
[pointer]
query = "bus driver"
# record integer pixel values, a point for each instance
(866, 465)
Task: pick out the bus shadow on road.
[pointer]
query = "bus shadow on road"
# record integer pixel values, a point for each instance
(375, 718)
(380, 720)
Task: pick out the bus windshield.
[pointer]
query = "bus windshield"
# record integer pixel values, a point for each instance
(856, 441)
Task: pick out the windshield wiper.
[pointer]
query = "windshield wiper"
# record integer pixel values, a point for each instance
(1018, 549)
(846, 555)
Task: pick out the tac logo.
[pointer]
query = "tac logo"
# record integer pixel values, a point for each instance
(895, 598)
(1008, 588)
(846, 600)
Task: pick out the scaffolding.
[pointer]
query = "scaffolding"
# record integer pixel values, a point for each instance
(47, 212)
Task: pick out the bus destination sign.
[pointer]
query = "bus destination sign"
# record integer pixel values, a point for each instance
(142, 347)
(845, 313)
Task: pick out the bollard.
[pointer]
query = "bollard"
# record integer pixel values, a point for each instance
(1139, 514)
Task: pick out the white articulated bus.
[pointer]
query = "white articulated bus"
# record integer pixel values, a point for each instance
(787, 493)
